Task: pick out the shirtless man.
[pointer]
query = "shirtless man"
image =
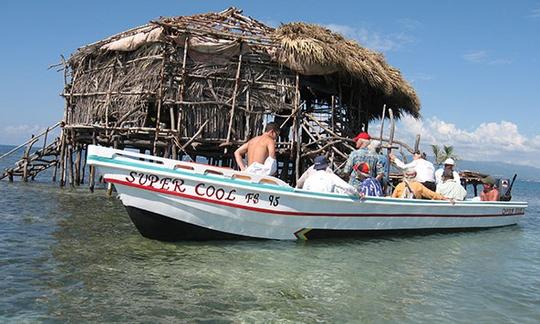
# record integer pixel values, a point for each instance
(261, 152)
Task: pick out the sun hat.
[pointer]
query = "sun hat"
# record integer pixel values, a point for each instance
(488, 180)
(362, 135)
(362, 168)
(320, 163)
(449, 161)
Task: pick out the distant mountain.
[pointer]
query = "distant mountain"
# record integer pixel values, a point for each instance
(501, 169)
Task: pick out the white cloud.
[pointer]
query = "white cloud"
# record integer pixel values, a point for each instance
(17, 134)
(373, 40)
(493, 141)
(483, 57)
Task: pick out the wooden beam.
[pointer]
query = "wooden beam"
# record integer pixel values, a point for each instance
(233, 105)
(159, 103)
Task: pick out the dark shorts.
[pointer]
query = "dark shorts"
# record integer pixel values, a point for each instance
(430, 185)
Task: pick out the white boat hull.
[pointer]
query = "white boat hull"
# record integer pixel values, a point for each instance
(172, 200)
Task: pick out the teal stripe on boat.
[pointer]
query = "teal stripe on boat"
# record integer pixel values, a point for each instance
(251, 184)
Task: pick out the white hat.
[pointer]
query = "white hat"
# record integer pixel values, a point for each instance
(449, 161)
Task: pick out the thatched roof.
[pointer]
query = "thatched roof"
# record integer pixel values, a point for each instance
(310, 50)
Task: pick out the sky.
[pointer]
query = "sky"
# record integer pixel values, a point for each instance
(474, 64)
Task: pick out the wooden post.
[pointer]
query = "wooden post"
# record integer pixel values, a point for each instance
(298, 139)
(235, 91)
(382, 123)
(417, 142)
(45, 139)
(159, 103)
(26, 158)
(248, 116)
(333, 111)
(77, 166)
(63, 158)
(174, 152)
(181, 89)
(92, 180)
(70, 161)
(85, 148)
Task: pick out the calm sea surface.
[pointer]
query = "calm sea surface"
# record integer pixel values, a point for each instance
(69, 255)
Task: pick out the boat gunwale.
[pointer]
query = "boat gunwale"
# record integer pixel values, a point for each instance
(144, 166)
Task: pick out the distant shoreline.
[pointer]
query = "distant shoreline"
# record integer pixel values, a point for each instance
(497, 169)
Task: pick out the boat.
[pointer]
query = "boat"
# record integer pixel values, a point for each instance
(171, 200)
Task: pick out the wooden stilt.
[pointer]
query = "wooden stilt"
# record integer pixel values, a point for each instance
(77, 166)
(84, 164)
(70, 165)
(63, 137)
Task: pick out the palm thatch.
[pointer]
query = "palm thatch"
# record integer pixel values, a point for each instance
(311, 49)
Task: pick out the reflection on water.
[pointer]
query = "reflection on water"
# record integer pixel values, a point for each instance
(69, 255)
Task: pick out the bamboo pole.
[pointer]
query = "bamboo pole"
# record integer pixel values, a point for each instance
(92, 180)
(85, 147)
(77, 165)
(45, 139)
(235, 91)
(199, 131)
(57, 156)
(182, 85)
(417, 142)
(159, 104)
(297, 128)
(247, 135)
(70, 165)
(63, 159)
(108, 103)
(26, 158)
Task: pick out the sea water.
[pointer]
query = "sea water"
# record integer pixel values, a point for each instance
(70, 255)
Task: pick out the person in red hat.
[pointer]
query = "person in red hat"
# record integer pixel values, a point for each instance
(361, 139)
(375, 161)
(368, 185)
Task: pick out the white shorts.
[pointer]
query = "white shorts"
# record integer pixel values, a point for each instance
(268, 168)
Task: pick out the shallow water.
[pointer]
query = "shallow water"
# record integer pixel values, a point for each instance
(68, 255)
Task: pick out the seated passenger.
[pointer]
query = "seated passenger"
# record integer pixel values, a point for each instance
(322, 181)
(368, 186)
(490, 192)
(425, 171)
(411, 188)
(448, 165)
(449, 187)
(307, 173)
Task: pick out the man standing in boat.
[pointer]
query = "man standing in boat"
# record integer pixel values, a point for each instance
(363, 154)
(260, 151)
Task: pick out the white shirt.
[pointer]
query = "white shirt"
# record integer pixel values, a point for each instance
(323, 181)
(424, 169)
(452, 190)
(306, 174)
(438, 176)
